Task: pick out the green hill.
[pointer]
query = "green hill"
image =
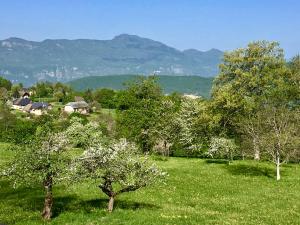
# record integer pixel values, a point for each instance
(182, 84)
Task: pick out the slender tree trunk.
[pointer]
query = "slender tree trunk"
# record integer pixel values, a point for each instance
(47, 211)
(256, 149)
(111, 203)
(277, 167)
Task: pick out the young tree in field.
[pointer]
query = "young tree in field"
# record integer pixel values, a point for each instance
(165, 130)
(246, 76)
(279, 134)
(42, 162)
(118, 168)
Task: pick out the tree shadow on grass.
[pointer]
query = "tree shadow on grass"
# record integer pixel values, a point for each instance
(32, 199)
(250, 170)
(102, 203)
(216, 161)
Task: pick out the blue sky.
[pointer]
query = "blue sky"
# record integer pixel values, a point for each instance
(200, 24)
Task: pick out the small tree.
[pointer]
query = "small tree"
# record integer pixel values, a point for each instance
(43, 162)
(279, 134)
(119, 168)
(222, 148)
(165, 129)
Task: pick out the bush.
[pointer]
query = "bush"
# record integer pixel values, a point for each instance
(222, 148)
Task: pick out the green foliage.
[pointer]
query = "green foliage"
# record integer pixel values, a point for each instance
(5, 83)
(118, 168)
(106, 98)
(182, 84)
(39, 158)
(222, 148)
(41, 161)
(248, 77)
(137, 112)
(15, 89)
(82, 135)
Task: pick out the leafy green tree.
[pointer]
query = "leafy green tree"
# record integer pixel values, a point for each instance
(138, 111)
(118, 168)
(43, 89)
(106, 97)
(88, 95)
(248, 77)
(7, 119)
(3, 94)
(5, 83)
(42, 161)
(15, 90)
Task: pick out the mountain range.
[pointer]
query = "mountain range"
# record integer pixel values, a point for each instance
(64, 60)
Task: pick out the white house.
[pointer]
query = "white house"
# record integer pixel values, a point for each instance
(80, 107)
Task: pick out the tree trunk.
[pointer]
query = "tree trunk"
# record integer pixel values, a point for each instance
(278, 167)
(111, 203)
(47, 211)
(256, 149)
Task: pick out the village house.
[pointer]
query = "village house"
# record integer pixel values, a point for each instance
(20, 103)
(80, 107)
(37, 108)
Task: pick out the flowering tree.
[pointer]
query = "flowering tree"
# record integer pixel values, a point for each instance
(83, 135)
(40, 162)
(222, 147)
(117, 165)
(193, 123)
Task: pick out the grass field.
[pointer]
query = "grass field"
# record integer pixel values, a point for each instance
(197, 192)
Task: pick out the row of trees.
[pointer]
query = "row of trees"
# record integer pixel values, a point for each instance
(253, 111)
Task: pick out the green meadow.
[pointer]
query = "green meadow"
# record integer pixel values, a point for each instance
(197, 191)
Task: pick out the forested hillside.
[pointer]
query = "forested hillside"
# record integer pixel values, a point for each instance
(182, 84)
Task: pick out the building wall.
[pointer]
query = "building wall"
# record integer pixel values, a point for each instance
(68, 109)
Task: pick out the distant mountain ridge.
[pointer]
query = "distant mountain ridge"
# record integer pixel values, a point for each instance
(64, 60)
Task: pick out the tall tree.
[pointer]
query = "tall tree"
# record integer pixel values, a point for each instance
(247, 78)
(138, 108)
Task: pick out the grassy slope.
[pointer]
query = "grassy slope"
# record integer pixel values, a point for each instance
(197, 192)
(183, 84)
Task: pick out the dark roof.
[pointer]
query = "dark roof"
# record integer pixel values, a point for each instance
(26, 94)
(39, 105)
(24, 101)
(17, 101)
